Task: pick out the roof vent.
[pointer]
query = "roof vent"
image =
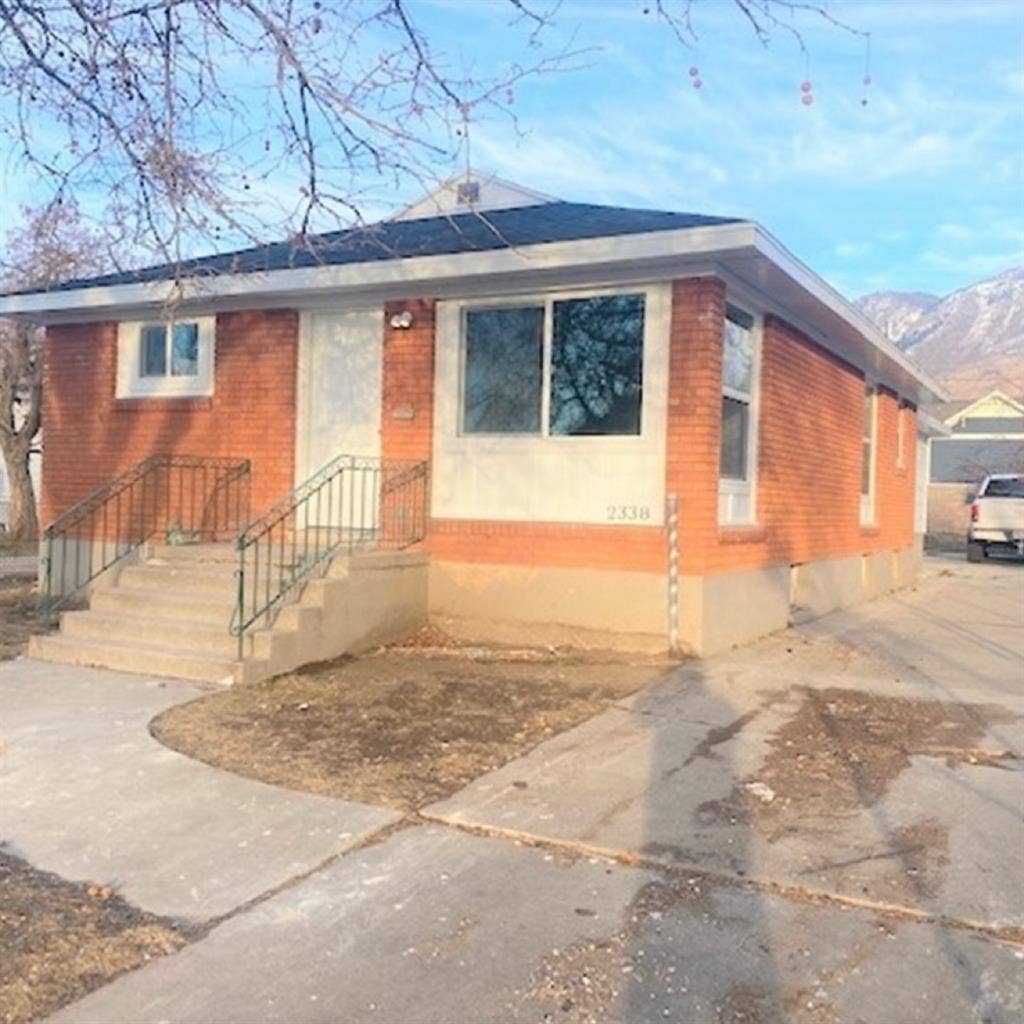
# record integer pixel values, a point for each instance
(468, 192)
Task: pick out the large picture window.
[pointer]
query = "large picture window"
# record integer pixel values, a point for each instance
(504, 368)
(564, 367)
(597, 365)
(736, 459)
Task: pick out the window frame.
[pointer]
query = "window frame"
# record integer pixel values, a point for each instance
(132, 383)
(546, 301)
(867, 500)
(902, 415)
(737, 499)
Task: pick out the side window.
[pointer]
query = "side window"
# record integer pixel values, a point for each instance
(867, 461)
(737, 458)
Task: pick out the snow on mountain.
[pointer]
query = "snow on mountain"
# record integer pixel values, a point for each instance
(971, 341)
(897, 313)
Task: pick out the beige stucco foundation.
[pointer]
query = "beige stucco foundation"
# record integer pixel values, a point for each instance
(629, 610)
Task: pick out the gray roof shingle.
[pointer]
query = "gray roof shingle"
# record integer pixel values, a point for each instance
(429, 236)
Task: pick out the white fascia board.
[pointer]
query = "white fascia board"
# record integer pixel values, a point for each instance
(821, 290)
(411, 275)
(633, 256)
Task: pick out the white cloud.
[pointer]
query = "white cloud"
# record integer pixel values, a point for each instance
(849, 250)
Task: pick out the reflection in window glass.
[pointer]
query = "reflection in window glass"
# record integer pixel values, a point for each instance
(597, 365)
(738, 351)
(735, 430)
(185, 350)
(737, 394)
(154, 351)
(504, 366)
(868, 443)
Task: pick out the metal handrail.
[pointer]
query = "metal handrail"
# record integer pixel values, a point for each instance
(352, 502)
(110, 523)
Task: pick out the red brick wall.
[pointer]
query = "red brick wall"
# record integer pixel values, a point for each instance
(407, 399)
(809, 451)
(809, 446)
(809, 456)
(90, 436)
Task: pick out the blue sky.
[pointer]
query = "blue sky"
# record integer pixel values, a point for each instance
(922, 189)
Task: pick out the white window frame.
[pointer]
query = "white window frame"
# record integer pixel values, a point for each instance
(599, 479)
(546, 302)
(867, 501)
(737, 499)
(132, 384)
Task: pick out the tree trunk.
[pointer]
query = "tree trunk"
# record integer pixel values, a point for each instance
(22, 519)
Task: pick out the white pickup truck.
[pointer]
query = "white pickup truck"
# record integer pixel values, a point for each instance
(997, 516)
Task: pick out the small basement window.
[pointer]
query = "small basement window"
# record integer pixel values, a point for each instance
(737, 460)
(157, 359)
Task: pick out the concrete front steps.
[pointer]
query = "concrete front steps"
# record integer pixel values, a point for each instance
(170, 613)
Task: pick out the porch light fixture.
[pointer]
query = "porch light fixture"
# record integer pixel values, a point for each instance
(402, 321)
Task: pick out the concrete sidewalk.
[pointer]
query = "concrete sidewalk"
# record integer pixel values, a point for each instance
(86, 792)
(437, 927)
(880, 881)
(672, 775)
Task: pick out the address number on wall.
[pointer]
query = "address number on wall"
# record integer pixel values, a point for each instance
(628, 513)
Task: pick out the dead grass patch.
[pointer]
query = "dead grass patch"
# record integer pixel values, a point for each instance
(60, 940)
(19, 616)
(400, 728)
(842, 751)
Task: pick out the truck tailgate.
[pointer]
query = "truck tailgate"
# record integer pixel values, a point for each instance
(1000, 514)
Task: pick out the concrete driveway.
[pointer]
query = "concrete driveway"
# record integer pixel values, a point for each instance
(822, 828)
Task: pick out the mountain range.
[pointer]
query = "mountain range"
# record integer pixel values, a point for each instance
(970, 341)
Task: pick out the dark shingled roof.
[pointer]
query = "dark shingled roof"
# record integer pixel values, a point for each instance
(428, 236)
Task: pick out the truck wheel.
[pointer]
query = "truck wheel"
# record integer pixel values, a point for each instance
(976, 551)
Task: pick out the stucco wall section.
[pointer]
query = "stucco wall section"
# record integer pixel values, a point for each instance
(539, 605)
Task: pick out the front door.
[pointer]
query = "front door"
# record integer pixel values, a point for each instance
(340, 387)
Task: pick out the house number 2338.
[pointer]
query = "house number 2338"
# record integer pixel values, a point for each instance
(628, 513)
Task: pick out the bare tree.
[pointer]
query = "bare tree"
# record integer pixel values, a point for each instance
(191, 115)
(52, 246)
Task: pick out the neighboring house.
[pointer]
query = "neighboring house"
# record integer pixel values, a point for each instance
(984, 435)
(642, 428)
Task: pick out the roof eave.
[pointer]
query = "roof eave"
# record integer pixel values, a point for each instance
(728, 245)
(766, 244)
(413, 272)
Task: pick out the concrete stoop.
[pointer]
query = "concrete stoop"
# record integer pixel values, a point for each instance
(170, 615)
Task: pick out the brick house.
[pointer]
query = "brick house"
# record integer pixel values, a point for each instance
(641, 428)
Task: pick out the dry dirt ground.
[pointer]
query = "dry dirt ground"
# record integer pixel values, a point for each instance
(59, 939)
(405, 726)
(19, 616)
